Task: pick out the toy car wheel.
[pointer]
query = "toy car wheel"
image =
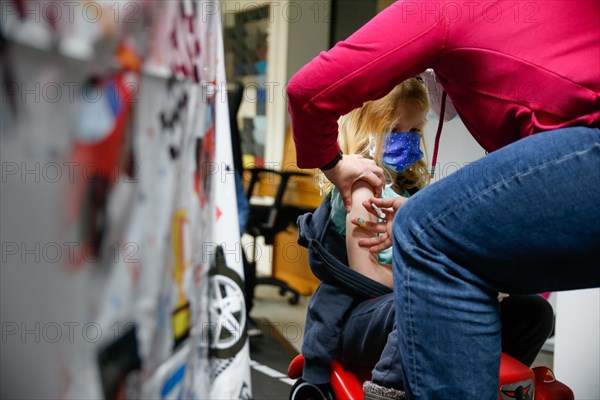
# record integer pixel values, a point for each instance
(307, 391)
(294, 300)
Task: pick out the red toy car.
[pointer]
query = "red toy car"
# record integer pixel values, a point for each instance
(517, 382)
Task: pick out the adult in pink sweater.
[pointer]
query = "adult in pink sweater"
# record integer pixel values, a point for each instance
(525, 80)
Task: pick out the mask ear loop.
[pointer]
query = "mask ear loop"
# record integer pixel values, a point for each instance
(438, 134)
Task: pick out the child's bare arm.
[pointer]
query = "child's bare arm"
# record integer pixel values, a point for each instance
(360, 258)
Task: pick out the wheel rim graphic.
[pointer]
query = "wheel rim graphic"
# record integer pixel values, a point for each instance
(227, 315)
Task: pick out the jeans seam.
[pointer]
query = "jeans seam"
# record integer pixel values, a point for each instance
(502, 182)
(410, 327)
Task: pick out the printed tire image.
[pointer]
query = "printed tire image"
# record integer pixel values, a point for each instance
(227, 309)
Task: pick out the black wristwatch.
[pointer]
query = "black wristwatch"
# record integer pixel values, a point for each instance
(333, 162)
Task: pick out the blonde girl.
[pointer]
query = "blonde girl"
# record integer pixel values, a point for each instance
(390, 131)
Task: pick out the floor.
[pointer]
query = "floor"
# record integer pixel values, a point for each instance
(286, 319)
(282, 327)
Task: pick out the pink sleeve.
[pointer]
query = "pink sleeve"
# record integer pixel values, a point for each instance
(398, 43)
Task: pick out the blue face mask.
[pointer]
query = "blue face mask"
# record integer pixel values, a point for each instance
(401, 150)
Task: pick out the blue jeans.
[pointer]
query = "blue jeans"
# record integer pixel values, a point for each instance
(524, 219)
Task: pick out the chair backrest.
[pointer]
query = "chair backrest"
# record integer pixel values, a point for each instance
(291, 190)
(300, 191)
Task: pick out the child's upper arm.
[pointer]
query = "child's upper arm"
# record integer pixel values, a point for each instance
(359, 258)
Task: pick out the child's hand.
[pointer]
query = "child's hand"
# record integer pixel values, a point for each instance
(389, 207)
(353, 168)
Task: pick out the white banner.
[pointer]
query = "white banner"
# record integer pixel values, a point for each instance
(121, 269)
(230, 357)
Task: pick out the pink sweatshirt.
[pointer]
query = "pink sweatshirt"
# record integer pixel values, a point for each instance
(511, 68)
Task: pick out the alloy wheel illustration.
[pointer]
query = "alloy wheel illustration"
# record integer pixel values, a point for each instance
(227, 309)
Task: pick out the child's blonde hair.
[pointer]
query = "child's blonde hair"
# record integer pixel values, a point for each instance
(378, 117)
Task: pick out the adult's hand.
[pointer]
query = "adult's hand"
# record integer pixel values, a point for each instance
(352, 168)
(383, 240)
